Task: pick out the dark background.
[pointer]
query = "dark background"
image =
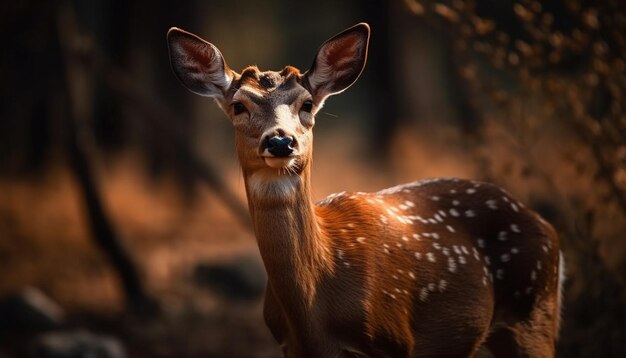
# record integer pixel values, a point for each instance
(121, 201)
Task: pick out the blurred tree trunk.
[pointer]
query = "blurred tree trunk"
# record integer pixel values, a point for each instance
(80, 83)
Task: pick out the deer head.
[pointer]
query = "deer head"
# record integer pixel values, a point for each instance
(273, 112)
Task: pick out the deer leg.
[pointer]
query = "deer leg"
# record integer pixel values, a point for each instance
(533, 337)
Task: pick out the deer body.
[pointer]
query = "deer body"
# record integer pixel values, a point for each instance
(432, 268)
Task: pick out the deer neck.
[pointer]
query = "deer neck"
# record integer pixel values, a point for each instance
(291, 241)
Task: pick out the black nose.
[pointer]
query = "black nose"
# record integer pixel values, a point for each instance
(279, 146)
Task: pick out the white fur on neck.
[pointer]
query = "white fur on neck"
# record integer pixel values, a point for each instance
(270, 185)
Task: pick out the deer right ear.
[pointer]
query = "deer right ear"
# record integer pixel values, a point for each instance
(198, 64)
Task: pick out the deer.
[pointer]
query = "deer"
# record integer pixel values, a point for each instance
(443, 267)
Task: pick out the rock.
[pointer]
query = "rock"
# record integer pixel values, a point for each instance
(30, 310)
(77, 344)
(242, 278)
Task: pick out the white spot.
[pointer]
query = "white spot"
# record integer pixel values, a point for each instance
(491, 204)
(403, 207)
(395, 276)
(450, 228)
(406, 293)
(398, 244)
(487, 260)
(435, 198)
(443, 284)
(431, 257)
(386, 251)
(442, 213)
(475, 254)
(410, 204)
(431, 287)
(454, 212)
(505, 198)
(533, 275)
(416, 237)
(455, 202)
(514, 228)
(502, 236)
(505, 257)
(481, 242)
(340, 254)
(418, 255)
(403, 219)
(499, 274)
(462, 260)
(411, 275)
(452, 191)
(514, 250)
(436, 246)
(528, 290)
(383, 219)
(484, 280)
(432, 221)
(451, 264)
(514, 207)
(464, 249)
(404, 238)
(470, 191)
(424, 294)
(470, 213)
(360, 239)
(456, 249)
(545, 248)
(438, 218)
(538, 265)
(346, 263)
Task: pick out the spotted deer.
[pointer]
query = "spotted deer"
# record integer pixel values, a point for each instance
(434, 268)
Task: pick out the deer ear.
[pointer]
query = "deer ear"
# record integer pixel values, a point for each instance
(198, 64)
(339, 62)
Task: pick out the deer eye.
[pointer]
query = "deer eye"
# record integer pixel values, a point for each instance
(238, 108)
(307, 106)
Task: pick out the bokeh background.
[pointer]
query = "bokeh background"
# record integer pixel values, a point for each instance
(123, 222)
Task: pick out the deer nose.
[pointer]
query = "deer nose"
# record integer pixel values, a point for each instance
(279, 145)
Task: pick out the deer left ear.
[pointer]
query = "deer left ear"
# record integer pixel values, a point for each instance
(339, 62)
